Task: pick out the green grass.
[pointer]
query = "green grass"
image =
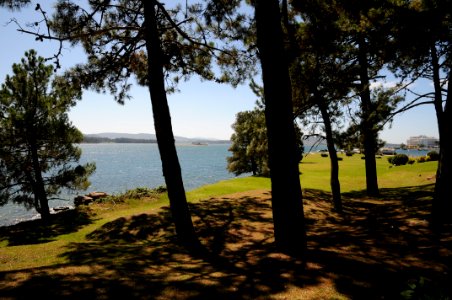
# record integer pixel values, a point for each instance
(230, 186)
(30, 246)
(316, 171)
(315, 174)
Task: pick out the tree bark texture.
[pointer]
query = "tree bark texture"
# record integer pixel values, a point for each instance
(287, 205)
(42, 204)
(442, 203)
(164, 132)
(369, 139)
(334, 176)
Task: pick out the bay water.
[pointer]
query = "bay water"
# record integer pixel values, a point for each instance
(120, 167)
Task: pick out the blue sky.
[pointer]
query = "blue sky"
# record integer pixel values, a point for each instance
(200, 109)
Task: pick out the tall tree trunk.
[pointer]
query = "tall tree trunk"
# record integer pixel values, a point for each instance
(287, 205)
(442, 205)
(41, 201)
(334, 176)
(38, 183)
(369, 138)
(164, 132)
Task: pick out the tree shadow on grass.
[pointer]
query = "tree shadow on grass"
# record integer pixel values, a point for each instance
(138, 257)
(37, 232)
(379, 244)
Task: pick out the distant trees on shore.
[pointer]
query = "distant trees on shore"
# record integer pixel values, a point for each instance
(99, 140)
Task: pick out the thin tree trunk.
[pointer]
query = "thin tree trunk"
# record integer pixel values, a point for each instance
(369, 139)
(164, 132)
(41, 201)
(287, 205)
(334, 176)
(442, 205)
(38, 183)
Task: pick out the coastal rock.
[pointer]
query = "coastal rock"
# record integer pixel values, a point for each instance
(82, 200)
(61, 208)
(97, 195)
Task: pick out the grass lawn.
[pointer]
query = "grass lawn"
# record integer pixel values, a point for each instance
(376, 248)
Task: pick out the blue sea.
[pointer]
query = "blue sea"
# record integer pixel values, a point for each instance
(121, 167)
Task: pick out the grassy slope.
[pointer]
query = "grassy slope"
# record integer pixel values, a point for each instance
(316, 171)
(315, 175)
(47, 251)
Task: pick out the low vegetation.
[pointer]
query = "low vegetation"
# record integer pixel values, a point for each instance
(403, 159)
(377, 248)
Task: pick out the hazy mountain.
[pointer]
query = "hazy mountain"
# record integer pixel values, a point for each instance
(115, 135)
(151, 136)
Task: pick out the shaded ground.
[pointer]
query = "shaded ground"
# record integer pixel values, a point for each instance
(372, 251)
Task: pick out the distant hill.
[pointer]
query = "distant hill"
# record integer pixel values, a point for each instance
(120, 140)
(114, 137)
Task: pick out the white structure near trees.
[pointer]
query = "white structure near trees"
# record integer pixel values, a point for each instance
(422, 141)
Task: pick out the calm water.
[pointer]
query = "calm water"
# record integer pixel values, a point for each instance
(125, 166)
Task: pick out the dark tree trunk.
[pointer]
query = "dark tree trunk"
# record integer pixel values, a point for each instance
(41, 202)
(38, 184)
(442, 205)
(253, 167)
(164, 132)
(287, 204)
(367, 132)
(334, 177)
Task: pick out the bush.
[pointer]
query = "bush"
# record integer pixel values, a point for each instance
(137, 193)
(424, 288)
(398, 160)
(324, 155)
(411, 161)
(349, 153)
(339, 158)
(432, 156)
(421, 159)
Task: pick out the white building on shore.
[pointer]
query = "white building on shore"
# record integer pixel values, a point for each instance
(422, 141)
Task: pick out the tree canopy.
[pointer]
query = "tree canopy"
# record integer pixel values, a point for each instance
(38, 152)
(249, 145)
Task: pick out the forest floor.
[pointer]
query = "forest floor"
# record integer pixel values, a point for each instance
(376, 249)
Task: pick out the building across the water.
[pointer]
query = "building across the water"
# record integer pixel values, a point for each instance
(422, 141)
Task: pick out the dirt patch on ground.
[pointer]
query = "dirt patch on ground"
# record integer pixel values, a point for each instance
(376, 249)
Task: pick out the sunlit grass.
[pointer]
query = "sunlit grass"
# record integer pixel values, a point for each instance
(315, 175)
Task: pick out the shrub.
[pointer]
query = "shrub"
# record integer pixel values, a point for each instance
(399, 159)
(411, 161)
(349, 153)
(324, 155)
(137, 193)
(421, 159)
(424, 288)
(432, 156)
(339, 158)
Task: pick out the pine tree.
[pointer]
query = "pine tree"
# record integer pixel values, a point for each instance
(38, 155)
(287, 205)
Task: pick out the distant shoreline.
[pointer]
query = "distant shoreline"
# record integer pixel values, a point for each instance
(143, 139)
(103, 140)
